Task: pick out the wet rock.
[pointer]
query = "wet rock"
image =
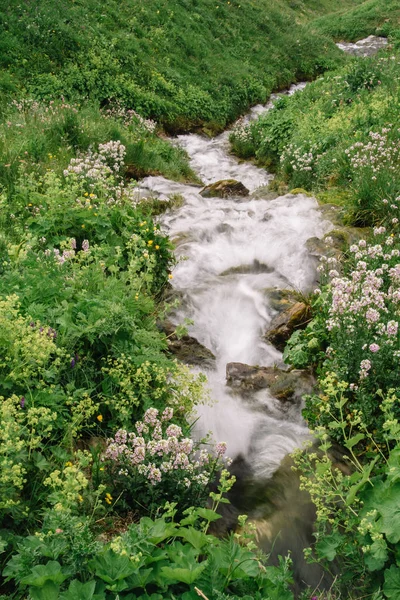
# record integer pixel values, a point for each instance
(284, 385)
(187, 348)
(279, 299)
(255, 268)
(283, 325)
(336, 242)
(224, 188)
(264, 193)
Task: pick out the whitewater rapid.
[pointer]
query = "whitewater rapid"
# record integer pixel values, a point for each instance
(229, 251)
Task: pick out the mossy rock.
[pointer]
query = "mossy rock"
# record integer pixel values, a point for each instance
(283, 385)
(284, 324)
(224, 189)
(255, 268)
(300, 191)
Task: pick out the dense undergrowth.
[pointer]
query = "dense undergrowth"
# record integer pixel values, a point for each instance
(340, 139)
(103, 493)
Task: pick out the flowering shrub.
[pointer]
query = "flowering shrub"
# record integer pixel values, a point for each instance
(157, 462)
(129, 117)
(361, 309)
(101, 173)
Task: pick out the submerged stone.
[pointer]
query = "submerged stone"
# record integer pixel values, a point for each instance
(284, 385)
(188, 349)
(224, 188)
(255, 268)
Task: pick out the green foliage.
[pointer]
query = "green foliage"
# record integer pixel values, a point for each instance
(330, 134)
(168, 61)
(358, 520)
(152, 556)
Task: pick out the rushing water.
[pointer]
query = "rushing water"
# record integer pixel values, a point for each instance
(366, 47)
(232, 250)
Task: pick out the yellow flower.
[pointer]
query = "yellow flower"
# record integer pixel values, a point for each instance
(170, 276)
(92, 195)
(30, 204)
(100, 418)
(157, 247)
(80, 499)
(68, 464)
(108, 495)
(150, 243)
(101, 469)
(86, 194)
(83, 226)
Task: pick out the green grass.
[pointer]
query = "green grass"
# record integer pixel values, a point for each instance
(308, 138)
(378, 17)
(183, 63)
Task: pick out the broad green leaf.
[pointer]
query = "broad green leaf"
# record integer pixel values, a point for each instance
(208, 514)
(157, 531)
(326, 547)
(140, 579)
(48, 591)
(391, 587)
(389, 509)
(377, 555)
(184, 575)
(365, 475)
(83, 591)
(196, 538)
(354, 440)
(393, 471)
(112, 567)
(42, 573)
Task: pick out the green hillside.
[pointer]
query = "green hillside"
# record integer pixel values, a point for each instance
(182, 62)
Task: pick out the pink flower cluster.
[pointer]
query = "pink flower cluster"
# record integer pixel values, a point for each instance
(129, 117)
(364, 305)
(159, 449)
(100, 173)
(377, 154)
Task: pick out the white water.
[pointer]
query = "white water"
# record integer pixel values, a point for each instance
(229, 310)
(365, 47)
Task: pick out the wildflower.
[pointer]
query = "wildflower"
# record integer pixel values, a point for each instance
(157, 247)
(85, 245)
(100, 418)
(170, 276)
(58, 530)
(83, 226)
(150, 243)
(374, 347)
(68, 463)
(22, 402)
(80, 499)
(108, 498)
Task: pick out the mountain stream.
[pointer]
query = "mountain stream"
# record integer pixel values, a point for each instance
(232, 250)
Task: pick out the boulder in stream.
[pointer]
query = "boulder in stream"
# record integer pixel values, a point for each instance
(187, 348)
(284, 385)
(285, 323)
(224, 188)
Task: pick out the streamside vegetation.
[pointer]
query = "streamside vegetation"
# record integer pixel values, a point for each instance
(103, 493)
(340, 139)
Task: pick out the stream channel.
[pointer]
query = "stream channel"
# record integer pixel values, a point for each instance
(232, 251)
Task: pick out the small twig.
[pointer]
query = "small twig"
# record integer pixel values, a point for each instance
(200, 593)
